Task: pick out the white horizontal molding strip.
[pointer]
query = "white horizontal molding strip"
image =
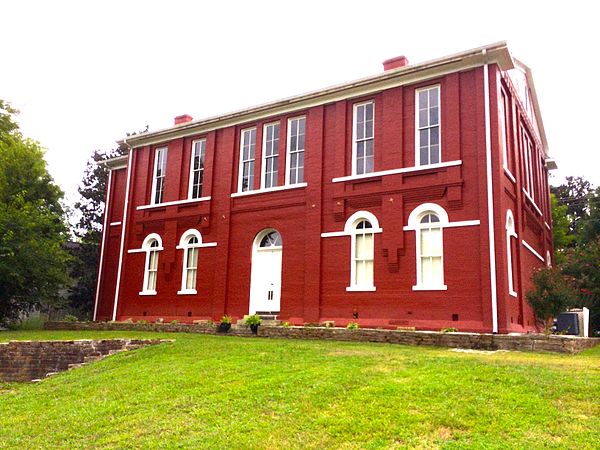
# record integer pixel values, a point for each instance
(114, 224)
(272, 189)
(509, 174)
(344, 233)
(144, 250)
(462, 223)
(203, 244)
(532, 250)
(175, 202)
(397, 171)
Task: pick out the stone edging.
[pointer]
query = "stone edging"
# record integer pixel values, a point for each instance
(475, 341)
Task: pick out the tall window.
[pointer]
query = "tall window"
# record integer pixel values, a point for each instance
(510, 233)
(189, 243)
(247, 152)
(197, 168)
(270, 155)
(363, 247)
(362, 145)
(428, 126)
(158, 181)
(295, 150)
(152, 246)
(504, 119)
(428, 221)
(528, 161)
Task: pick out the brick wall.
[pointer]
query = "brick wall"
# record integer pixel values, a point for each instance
(30, 360)
(476, 341)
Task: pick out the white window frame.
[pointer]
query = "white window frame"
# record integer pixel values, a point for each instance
(157, 152)
(242, 160)
(202, 143)
(264, 157)
(351, 230)
(414, 223)
(528, 155)
(146, 247)
(355, 139)
(185, 246)
(510, 233)
(297, 151)
(418, 127)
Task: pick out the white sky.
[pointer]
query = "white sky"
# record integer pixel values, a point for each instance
(83, 74)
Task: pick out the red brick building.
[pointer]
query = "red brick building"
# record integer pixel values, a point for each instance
(414, 197)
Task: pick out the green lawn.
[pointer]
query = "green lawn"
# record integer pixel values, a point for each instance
(227, 392)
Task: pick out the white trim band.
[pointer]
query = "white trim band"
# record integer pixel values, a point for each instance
(532, 202)
(272, 189)
(397, 171)
(201, 245)
(532, 250)
(346, 233)
(462, 223)
(114, 224)
(174, 202)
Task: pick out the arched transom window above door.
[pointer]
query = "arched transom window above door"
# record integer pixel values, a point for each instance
(271, 239)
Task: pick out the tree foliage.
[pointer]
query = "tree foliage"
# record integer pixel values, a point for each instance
(551, 295)
(33, 231)
(88, 232)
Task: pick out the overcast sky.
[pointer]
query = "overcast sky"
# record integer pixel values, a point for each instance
(83, 74)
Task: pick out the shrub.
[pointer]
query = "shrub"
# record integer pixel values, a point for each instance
(551, 294)
(70, 318)
(142, 322)
(174, 322)
(449, 330)
(286, 324)
(352, 326)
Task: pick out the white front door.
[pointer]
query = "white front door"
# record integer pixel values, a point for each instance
(265, 283)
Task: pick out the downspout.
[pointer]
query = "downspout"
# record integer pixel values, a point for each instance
(123, 227)
(490, 195)
(104, 230)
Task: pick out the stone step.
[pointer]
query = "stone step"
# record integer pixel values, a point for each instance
(88, 359)
(76, 365)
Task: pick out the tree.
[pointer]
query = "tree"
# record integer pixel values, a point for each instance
(551, 294)
(574, 195)
(33, 231)
(89, 233)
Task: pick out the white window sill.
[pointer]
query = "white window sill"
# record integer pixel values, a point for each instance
(175, 202)
(148, 293)
(530, 198)
(422, 287)
(187, 292)
(272, 189)
(397, 171)
(513, 294)
(361, 289)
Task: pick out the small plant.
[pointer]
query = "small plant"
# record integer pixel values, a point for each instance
(160, 320)
(226, 319)
(449, 330)
(142, 322)
(174, 322)
(70, 318)
(352, 326)
(253, 320)
(286, 324)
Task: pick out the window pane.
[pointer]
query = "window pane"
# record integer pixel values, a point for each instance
(369, 148)
(301, 175)
(423, 118)
(433, 97)
(424, 156)
(190, 282)
(434, 154)
(434, 135)
(437, 271)
(423, 99)
(433, 116)
(151, 281)
(369, 166)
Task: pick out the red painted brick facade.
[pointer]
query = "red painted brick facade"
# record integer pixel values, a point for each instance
(316, 269)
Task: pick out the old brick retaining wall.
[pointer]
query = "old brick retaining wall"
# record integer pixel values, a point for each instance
(524, 342)
(29, 360)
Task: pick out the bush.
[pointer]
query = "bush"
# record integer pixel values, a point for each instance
(70, 318)
(449, 330)
(552, 294)
(142, 322)
(174, 322)
(286, 324)
(352, 326)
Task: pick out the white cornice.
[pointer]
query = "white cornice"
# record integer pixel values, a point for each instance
(493, 53)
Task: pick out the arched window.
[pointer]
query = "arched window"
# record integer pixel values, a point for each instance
(152, 246)
(428, 220)
(271, 239)
(190, 241)
(510, 233)
(362, 227)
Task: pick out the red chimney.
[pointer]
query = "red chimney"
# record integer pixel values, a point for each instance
(183, 119)
(395, 63)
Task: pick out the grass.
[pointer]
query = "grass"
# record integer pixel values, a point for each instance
(226, 392)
